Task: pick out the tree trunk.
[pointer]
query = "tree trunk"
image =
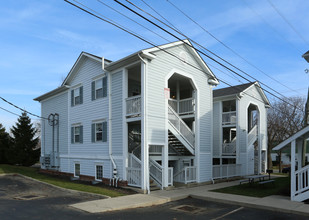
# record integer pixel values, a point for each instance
(280, 163)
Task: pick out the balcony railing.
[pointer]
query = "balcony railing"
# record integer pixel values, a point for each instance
(133, 105)
(183, 106)
(229, 148)
(226, 170)
(228, 118)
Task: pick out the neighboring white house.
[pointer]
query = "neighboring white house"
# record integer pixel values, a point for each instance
(240, 130)
(149, 115)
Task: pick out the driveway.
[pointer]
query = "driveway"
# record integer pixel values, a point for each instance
(23, 198)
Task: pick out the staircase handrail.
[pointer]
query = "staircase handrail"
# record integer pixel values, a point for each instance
(252, 135)
(136, 159)
(184, 125)
(158, 176)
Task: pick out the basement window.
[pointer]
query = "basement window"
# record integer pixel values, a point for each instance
(77, 170)
(99, 173)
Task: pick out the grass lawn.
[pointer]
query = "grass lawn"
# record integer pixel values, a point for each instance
(57, 181)
(281, 186)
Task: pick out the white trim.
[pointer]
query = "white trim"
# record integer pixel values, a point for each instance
(124, 124)
(89, 157)
(54, 96)
(75, 163)
(95, 175)
(100, 76)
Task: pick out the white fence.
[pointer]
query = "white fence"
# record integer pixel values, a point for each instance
(228, 118)
(226, 170)
(181, 126)
(133, 105)
(186, 175)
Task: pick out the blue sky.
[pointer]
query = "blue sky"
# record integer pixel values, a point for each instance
(40, 41)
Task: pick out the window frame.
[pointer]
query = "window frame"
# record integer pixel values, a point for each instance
(74, 128)
(96, 172)
(75, 164)
(98, 84)
(96, 132)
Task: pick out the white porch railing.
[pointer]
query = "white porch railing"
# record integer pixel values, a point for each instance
(170, 176)
(252, 135)
(181, 126)
(183, 106)
(133, 105)
(155, 172)
(228, 118)
(226, 170)
(134, 171)
(229, 148)
(134, 176)
(186, 175)
(302, 180)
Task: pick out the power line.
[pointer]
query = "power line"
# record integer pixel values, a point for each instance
(9, 111)
(226, 46)
(286, 20)
(22, 109)
(157, 47)
(202, 51)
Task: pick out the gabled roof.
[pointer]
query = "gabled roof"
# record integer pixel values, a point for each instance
(51, 93)
(240, 90)
(233, 90)
(76, 65)
(149, 54)
(304, 133)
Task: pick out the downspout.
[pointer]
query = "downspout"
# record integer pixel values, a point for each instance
(114, 173)
(145, 135)
(58, 153)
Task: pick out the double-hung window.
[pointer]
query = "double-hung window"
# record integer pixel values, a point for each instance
(99, 88)
(99, 132)
(77, 134)
(77, 96)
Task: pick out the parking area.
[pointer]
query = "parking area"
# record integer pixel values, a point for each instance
(22, 198)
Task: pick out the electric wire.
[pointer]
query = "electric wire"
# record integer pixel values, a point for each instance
(228, 47)
(204, 53)
(122, 28)
(23, 110)
(287, 21)
(9, 111)
(156, 46)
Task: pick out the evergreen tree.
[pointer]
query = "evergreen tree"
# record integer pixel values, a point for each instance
(23, 151)
(4, 145)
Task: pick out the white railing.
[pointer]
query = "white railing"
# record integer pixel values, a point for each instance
(174, 104)
(134, 176)
(183, 106)
(252, 135)
(186, 175)
(155, 172)
(226, 170)
(186, 106)
(228, 118)
(181, 126)
(133, 105)
(302, 180)
(229, 148)
(170, 176)
(133, 161)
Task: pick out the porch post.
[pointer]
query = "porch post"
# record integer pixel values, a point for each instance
(165, 166)
(299, 144)
(293, 178)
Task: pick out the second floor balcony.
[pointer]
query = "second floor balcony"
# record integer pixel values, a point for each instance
(183, 106)
(133, 106)
(229, 118)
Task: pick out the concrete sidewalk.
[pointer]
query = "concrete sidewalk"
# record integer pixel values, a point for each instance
(274, 203)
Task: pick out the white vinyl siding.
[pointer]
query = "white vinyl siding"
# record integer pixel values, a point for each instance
(89, 112)
(117, 113)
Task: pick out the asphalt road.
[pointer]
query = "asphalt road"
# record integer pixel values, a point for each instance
(22, 198)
